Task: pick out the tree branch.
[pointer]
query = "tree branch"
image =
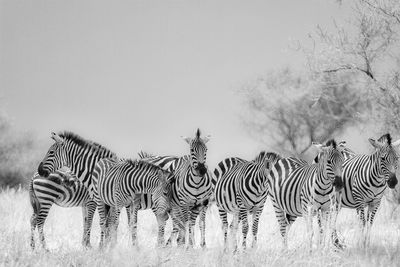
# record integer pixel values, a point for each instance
(382, 10)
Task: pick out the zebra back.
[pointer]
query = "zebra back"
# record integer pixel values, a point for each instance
(76, 153)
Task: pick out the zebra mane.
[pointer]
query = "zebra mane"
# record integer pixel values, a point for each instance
(145, 155)
(332, 143)
(80, 141)
(198, 133)
(271, 156)
(386, 138)
(140, 163)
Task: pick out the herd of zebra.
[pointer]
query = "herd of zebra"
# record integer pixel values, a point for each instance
(182, 188)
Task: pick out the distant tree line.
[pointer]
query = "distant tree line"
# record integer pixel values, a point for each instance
(18, 156)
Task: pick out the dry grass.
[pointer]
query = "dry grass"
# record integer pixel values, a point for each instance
(64, 226)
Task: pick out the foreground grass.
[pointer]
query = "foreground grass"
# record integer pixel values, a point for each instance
(64, 226)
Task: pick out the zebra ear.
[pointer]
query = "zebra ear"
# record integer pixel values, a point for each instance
(187, 139)
(206, 138)
(341, 146)
(56, 137)
(374, 143)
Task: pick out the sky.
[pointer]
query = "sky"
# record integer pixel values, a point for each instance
(136, 75)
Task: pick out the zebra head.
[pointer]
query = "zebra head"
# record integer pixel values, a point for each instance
(387, 158)
(198, 152)
(56, 157)
(331, 156)
(347, 152)
(161, 196)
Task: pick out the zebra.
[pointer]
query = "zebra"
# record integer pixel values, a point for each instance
(80, 156)
(117, 184)
(346, 152)
(63, 190)
(306, 189)
(367, 176)
(74, 152)
(190, 191)
(240, 187)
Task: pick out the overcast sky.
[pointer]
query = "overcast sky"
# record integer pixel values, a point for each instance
(139, 74)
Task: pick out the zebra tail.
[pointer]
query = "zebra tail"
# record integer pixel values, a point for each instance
(33, 198)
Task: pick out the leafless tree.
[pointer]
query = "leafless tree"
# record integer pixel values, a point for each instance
(368, 44)
(290, 110)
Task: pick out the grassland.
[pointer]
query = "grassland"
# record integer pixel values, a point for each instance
(64, 226)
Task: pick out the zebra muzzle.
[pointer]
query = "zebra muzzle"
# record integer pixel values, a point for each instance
(201, 168)
(392, 181)
(338, 183)
(42, 172)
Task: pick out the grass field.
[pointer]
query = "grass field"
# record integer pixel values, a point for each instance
(64, 226)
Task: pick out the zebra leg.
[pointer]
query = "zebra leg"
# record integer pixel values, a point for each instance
(103, 214)
(33, 228)
(191, 223)
(224, 218)
(372, 208)
(234, 228)
(283, 224)
(202, 225)
(134, 208)
(321, 226)
(177, 226)
(174, 232)
(41, 219)
(114, 215)
(88, 211)
(334, 236)
(256, 218)
(128, 213)
(183, 222)
(193, 214)
(361, 216)
(245, 226)
(161, 220)
(310, 232)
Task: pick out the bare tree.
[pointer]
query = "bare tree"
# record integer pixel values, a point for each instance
(290, 110)
(368, 45)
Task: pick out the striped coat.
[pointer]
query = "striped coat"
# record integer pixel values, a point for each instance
(305, 190)
(241, 187)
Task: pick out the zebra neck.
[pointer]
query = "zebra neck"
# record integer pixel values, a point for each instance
(81, 163)
(262, 179)
(194, 177)
(322, 179)
(167, 163)
(375, 171)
